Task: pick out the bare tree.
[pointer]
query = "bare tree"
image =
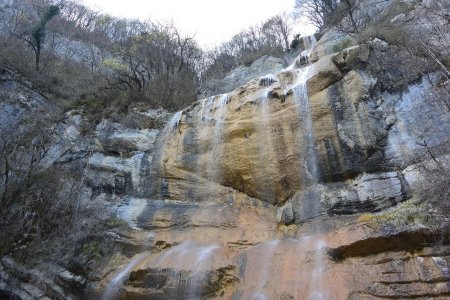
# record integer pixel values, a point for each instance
(33, 34)
(22, 151)
(278, 29)
(319, 12)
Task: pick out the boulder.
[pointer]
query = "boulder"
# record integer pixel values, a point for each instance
(324, 73)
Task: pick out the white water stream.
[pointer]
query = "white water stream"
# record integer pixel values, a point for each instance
(112, 290)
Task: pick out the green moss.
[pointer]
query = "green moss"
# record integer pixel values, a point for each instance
(115, 65)
(89, 105)
(94, 249)
(342, 45)
(446, 62)
(116, 223)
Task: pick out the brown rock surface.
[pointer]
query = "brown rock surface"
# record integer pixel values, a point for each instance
(256, 143)
(261, 189)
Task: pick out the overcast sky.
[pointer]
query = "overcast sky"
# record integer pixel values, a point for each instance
(212, 21)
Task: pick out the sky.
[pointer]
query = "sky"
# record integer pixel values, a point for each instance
(212, 21)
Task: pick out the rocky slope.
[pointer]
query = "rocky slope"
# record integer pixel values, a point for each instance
(301, 184)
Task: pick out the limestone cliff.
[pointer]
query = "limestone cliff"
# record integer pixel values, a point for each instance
(302, 184)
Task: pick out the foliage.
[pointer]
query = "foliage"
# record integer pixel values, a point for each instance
(434, 188)
(272, 37)
(89, 55)
(113, 222)
(408, 213)
(33, 35)
(92, 55)
(42, 210)
(114, 65)
(295, 43)
(94, 249)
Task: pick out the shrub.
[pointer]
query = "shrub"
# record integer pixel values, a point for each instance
(113, 222)
(409, 213)
(434, 188)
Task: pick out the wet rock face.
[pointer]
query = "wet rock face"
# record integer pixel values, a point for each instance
(396, 265)
(235, 172)
(367, 193)
(243, 74)
(273, 178)
(117, 138)
(256, 141)
(377, 263)
(123, 153)
(172, 283)
(349, 132)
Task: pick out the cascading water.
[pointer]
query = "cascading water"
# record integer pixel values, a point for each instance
(212, 115)
(187, 256)
(265, 269)
(205, 102)
(159, 185)
(263, 129)
(213, 172)
(309, 43)
(310, 176)
(132, 208)
(269, 267)
(112, 290)
(306, 126)
(317, 291)
(286, 265)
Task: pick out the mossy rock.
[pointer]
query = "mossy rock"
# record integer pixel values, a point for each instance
(408, 213)
(118, 223)
(342, 45)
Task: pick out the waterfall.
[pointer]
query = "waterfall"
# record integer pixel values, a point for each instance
(310, 176)
(265, 268)
(318, 285)
(187, 256)
(296, 266)
(263, 126)
(176, 120)
(112, 290)
(212, 120)
(270, 267)
(205, 102)
(309, 43)
(309, 158)
(260, 271)
(159, 186)
(213, 172)
(173, 124)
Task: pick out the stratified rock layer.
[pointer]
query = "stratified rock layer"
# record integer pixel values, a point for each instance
(295, 185)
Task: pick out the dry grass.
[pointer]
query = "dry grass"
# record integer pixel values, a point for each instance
(409, 213)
